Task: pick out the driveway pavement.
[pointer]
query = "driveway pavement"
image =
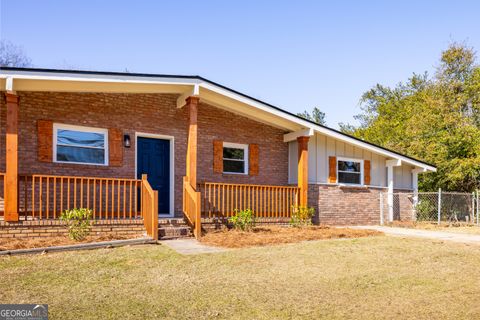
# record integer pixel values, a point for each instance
(418, 233)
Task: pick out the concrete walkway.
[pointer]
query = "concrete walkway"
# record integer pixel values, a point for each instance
(418, 233)
(190, 246)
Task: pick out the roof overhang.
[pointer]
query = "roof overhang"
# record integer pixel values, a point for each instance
(19, 79)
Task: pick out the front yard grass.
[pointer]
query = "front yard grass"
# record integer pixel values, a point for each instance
(367, 278)
(457, 227)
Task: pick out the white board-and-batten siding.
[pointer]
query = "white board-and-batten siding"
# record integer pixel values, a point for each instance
(321, 147)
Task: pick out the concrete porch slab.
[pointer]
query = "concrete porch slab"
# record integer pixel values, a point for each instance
(190, 246)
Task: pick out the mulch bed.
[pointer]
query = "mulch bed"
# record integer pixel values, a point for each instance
(26, 243)
(262, 236)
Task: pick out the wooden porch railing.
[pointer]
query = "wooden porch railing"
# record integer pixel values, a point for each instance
(191, 207)
(47, 196)
(42, 197)
(149, 208)
(266, 201)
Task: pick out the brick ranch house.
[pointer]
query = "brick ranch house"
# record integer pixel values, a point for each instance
(136, 147)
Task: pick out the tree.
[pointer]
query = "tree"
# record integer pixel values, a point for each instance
(436, 119)
(12, 55)
(316, 116)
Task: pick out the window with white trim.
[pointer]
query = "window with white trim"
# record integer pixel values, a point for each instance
(83, 145)
(350, 171)
(235, 158)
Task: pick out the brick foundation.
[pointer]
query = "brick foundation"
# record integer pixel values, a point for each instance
(341, 205)
(56, 228)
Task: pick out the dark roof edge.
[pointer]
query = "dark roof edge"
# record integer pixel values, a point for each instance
(150, 75)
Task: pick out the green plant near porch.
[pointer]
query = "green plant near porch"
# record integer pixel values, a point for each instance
(78, 221)
(302, 216)
(243, 219)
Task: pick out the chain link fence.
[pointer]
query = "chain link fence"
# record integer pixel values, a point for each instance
(433, 207)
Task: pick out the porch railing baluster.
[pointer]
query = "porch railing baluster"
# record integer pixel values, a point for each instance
(222, 199)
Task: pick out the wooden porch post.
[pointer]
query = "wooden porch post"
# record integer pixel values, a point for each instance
(11, 174)
(303, 169)
(192, 104)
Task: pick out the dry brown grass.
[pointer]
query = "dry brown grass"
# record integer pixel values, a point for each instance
(262, 236)
(456, 227)
(362, 279)
(26, 243)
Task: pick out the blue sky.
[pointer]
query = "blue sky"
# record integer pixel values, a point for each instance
(294, 54)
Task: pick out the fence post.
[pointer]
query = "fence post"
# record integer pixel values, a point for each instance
(381, 208)
(478, 203)
(472, 221)
(439, 204)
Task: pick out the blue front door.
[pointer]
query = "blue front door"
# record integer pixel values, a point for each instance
(153, 159)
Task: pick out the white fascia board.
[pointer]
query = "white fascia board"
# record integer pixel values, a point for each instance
(194, 91)
(256, 104)
(36, 75)
(419, 170)
(373, 148)
(301, 133)
(65, 76)
(9, 84)
(394, 163)
(320, 129)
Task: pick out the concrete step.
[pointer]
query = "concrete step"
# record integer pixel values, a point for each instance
(173, 228)
(171, 222)
(174, 232)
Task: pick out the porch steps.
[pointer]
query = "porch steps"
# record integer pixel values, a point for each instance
(173, 228)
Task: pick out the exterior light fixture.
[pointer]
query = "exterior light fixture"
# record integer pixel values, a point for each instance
(126, 141)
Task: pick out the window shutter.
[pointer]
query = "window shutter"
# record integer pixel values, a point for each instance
(332, 169)
(217, 156)
(115, 147)
(366, 172)
(45, 140)
(253, 159)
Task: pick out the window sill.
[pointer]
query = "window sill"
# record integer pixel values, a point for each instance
(352, 186)
(81, 163)
(234, 174)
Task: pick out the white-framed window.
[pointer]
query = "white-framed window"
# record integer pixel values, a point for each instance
(81, 145)
(350, 171)
(235, 158)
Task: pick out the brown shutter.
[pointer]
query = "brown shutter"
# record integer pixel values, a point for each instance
(332, 169)
(115, 147)
(45, 140)
(217, 156)
(253, 159)
(366, 172)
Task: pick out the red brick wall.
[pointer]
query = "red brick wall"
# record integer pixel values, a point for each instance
(56, 228)
(336, 205)
(147, 113)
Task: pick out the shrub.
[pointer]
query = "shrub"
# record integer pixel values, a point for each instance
(243, 220)
(426, 210)
(78, 221)
(301, 216)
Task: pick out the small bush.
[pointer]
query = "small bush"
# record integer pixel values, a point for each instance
(301, 216)
(78, 221)
(426, 210)
(243, 220)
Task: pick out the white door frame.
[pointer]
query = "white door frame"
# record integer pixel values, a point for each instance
(172, 166)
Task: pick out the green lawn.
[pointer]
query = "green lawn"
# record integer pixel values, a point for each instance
(368, 278)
